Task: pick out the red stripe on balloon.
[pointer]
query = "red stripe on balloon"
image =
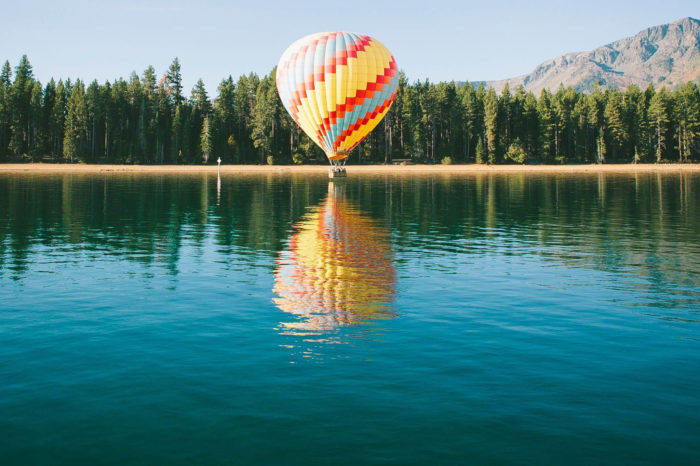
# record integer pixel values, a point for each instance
(351, 102)
(310, 81)
(361, 94)
(361, 122)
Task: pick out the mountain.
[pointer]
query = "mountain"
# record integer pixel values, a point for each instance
(666, 55)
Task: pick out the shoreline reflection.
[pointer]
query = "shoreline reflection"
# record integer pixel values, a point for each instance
(337, 270)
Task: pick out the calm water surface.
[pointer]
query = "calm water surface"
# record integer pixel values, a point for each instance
(279, 319)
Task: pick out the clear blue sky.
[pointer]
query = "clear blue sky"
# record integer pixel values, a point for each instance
(435, 39)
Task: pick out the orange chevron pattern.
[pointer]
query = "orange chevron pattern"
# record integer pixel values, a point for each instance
(337, 86)
(367, 93)
(379, 111)
(310, 81)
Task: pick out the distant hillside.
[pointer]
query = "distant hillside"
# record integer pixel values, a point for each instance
(662, 55)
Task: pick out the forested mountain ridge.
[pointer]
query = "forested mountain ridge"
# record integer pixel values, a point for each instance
(666, 55)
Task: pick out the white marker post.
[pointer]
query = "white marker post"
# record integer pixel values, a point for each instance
(218, 181)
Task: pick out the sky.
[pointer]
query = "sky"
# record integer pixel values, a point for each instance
(439, 40)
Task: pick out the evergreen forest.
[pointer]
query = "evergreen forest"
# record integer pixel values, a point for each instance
(149, 119)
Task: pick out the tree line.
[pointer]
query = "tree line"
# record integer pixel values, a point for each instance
(157, 222)
(148, 119)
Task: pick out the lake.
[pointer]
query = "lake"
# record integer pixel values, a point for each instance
(286, 319)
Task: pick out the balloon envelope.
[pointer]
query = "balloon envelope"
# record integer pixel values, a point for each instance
(337, 86)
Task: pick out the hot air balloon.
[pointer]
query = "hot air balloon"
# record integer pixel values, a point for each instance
(337, 86)
(337, 271)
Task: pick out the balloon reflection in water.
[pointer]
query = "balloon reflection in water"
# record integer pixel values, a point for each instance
(337, 270)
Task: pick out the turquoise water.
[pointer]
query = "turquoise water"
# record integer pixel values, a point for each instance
(280, 319)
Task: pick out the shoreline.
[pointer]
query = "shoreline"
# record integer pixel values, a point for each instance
(465, 169)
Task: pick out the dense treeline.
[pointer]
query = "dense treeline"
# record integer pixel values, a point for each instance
(149, 120)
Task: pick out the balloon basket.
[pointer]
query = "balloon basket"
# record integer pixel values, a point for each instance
(337, 172)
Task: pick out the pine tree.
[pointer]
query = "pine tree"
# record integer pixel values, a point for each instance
(95, 117)
(149, 80)
(265, 117)
(505, 110)
(20, 103)
(162, 123)
(410, 112)
(470, 118)
(200, 108)
(5, 108)
(614, 117)
(76, 124)
(659, 114)
(57, 121)
(245, 95)
(596, 117)
(110, 119)
(224, 121)
(428, 105)
(582, 149)
(175, 82)
(687, 114)
(530, 124)
(200, 99)
(36, 124)
(563, 104)
(480, 153)
(547, 126)
(518, 111)
(206, 140)
(398, 114)
(491, 124)
(178, 123)
(631, 104)
(645, 126)
(148, 110)
(6, 75)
